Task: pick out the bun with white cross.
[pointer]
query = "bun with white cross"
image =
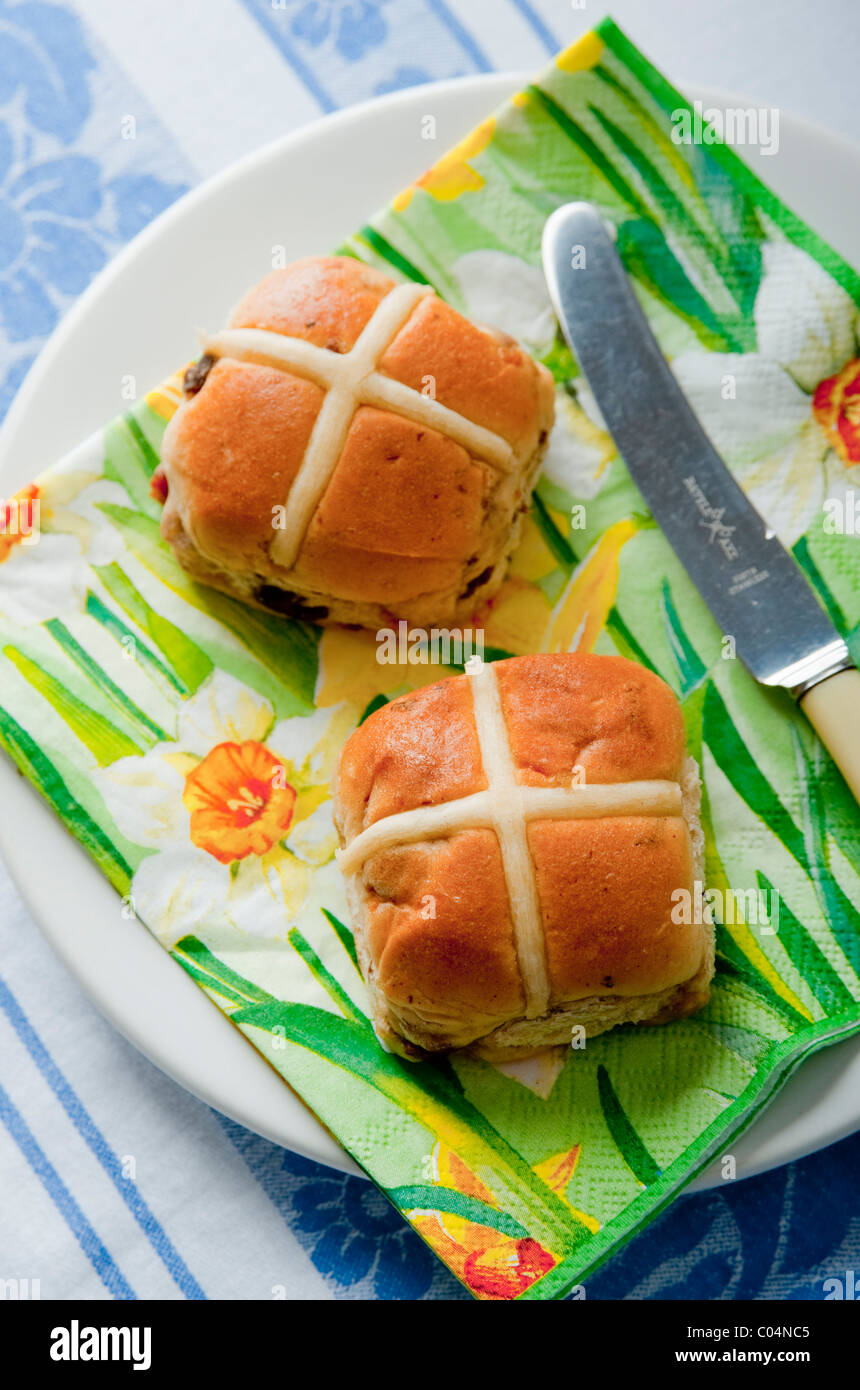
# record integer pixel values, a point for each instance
(513, 842)
(353, 450)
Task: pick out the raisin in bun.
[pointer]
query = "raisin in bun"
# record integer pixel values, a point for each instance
(513, 842)
(353, 450)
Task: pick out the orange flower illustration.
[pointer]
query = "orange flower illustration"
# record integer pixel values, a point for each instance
(19, 518)
(51, 532)
(492, 1265)
(239, 800)
(506, 1269)
(794, 443)
(235, 809)
(836, 407)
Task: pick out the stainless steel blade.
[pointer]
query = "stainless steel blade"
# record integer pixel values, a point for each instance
(753, 587)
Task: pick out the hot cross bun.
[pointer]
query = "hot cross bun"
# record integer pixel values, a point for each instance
(353, 450)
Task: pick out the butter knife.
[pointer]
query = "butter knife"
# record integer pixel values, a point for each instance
(753, 587)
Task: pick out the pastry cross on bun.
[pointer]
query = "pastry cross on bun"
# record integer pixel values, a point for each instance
(353, 450)
(511, 841)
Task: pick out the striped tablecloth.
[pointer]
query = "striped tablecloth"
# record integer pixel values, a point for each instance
(114, 1183)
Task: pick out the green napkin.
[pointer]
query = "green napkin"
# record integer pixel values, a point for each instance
(138, 702)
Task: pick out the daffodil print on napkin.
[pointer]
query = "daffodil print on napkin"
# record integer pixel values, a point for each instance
(493, 1263)
(508, 292)
(454, 173)
(50, 533)
(787, 417)
(236, 812)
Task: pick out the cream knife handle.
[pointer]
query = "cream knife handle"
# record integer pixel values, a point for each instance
(832, 707)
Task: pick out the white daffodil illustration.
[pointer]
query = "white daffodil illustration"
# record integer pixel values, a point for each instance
(50, 534)
(508, 293)
(580, 446)
(503, 290)
(786, 418)
(236, 811)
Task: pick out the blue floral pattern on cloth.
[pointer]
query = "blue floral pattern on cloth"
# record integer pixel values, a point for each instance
(749, 1239)
(74, 186)
(353, 27)
(348, 50)
(353, 1234)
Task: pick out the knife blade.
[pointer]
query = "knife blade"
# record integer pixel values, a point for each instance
(753, 587)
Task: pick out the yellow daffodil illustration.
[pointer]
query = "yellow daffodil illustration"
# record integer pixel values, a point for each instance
(492, 1265)
(453, 174)
(490, 1262)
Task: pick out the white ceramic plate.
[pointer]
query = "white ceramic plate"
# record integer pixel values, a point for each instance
(304, 192)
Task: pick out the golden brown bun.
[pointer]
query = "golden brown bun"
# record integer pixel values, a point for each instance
(326, 300)
(432, 918)
(411, 524)
(230, 454)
